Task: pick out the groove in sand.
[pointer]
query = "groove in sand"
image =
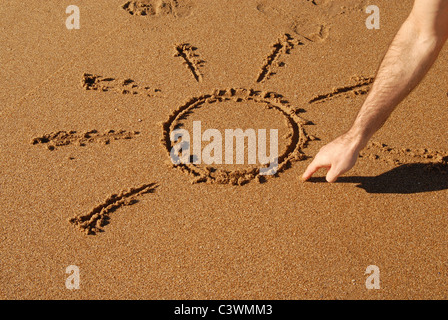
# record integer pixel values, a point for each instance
(270, 100)
(283, 46)
(65, 138)
(92, 222)
(361, 86)
(123, 86)
(435, 160)
(191, 59)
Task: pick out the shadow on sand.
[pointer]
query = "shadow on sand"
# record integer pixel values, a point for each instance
(405, 179)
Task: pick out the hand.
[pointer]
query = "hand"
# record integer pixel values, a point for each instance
(339, 156)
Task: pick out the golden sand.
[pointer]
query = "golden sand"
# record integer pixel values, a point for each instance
(136, 67)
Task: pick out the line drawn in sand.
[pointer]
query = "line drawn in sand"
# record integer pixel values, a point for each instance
(92, 222)
(191, 59)
(434, 160)
(270, 100)
(274, 61)
(361, 86)
(124, 86)
(65, 138)
(156, 8)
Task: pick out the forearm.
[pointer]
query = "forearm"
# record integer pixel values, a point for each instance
(408, 60)
(411, 55)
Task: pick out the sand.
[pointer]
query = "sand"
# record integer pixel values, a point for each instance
(85, 117)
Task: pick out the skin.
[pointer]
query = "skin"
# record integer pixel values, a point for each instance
(409, 58)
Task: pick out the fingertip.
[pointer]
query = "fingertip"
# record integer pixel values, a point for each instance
(331, 178)
(308, 173)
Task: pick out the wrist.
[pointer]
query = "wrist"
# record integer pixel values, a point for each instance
(358, 137)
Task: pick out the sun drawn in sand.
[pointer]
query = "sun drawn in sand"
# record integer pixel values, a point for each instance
(273, 63)
(276, 61)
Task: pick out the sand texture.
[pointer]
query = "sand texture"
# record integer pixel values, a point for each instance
(86, 177)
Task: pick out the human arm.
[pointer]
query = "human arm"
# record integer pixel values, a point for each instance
(409, 58)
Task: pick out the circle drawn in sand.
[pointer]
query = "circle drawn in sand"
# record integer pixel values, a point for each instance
(270, 100)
